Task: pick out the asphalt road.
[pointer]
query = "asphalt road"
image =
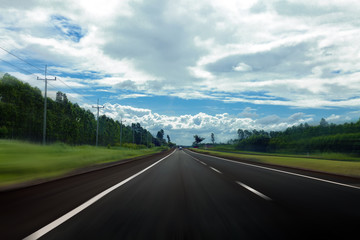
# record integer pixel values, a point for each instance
(193, 196)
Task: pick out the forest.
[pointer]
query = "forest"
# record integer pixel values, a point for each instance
(325, 137)
(21, 118)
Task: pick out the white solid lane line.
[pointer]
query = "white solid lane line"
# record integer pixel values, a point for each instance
(67, 216)
(282, 171)
(254, 191)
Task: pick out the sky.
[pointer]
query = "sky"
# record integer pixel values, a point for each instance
(192, 67)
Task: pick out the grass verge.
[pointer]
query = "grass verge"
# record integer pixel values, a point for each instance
(339, 167)
(21, 161)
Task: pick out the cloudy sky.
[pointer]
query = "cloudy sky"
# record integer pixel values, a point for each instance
(192, 67)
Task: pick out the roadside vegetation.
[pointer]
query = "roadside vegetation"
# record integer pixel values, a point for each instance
(303, 139)
(71, 133)
(21, 118)
(332, 148)
(22, 161)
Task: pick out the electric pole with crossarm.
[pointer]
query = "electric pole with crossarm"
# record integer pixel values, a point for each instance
(45, 102)
(97, 127)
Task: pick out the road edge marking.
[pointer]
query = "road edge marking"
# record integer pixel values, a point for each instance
(281, 171)
(49, 227)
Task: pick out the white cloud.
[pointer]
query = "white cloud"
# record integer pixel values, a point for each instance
(333, 118)
(248, 112)
(182, 128)
(297, 54)
(135, 95)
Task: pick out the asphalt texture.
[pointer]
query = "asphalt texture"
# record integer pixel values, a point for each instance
(191, 196)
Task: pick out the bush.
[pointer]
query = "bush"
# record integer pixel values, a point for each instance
(3, 132)
(133, 146)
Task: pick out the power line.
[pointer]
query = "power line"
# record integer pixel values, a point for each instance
(18, 68)
(55, 87)
(90, 100)
(20, 58)
(28, 72)
(45, 93)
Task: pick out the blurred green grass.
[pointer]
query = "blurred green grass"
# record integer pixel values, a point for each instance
(21, 161)
(341, 167)
(317, 155)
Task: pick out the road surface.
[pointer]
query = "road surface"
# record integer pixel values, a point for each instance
(192, 196)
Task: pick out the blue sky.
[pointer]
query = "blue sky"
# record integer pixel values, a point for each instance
(192, 67)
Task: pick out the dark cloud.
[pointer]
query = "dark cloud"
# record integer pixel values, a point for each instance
(126, 85)
(158, 42)
(154, 85)
(286, 60)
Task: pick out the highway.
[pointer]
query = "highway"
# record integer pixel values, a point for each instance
(188, 195)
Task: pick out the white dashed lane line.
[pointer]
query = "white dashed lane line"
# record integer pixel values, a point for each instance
(215, 170)
(202, 162)
(254, 191)
(240, 183)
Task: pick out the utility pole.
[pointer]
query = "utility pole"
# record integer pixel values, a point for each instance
(45, 102)
(133, 132)
(97, 126)
(121, 130)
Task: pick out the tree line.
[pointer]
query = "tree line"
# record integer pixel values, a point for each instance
(302, 139)
(325, 137)
(22, 106)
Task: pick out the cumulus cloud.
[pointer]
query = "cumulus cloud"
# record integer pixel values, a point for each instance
(291, 54)
(248, 112)
(258, 46)
(182, 128)
(333, 118)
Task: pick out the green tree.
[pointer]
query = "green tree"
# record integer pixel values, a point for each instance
(213, 138)
(160, 134)
(240, 133)
(323, 123)
(197, 140)
(21, 111)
